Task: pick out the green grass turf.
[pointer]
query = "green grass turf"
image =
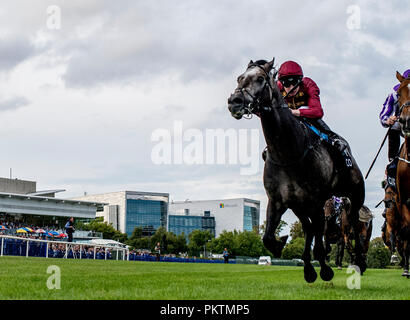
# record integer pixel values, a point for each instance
(25, 278)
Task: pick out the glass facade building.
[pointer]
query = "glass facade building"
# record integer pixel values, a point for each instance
(179, 224)
(148, 214)
(250, 218)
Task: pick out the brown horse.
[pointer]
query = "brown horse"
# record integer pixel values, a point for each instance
(339, 230)
(390, 232)
(403, 170)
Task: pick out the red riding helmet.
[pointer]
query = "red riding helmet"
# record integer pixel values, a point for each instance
(290, 68)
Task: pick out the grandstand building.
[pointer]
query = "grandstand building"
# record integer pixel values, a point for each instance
(228, 214)
(189, 222)
(126, 210)
(22, 203)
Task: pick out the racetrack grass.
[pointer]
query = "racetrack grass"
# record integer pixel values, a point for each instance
(25, 278)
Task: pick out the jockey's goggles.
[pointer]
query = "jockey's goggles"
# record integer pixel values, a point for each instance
(289, 81)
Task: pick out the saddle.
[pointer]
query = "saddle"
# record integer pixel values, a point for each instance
(391, 171)
(320, 128)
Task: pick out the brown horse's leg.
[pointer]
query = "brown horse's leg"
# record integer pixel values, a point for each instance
(340, 253)
(406, 249)
(365, 236)
(405, 236)
(392, 240)
(349, 247)
(328, 249)
(358, 248)
(406, 254)
(400, 249)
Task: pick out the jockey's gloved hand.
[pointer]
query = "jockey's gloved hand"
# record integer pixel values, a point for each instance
(338, 144)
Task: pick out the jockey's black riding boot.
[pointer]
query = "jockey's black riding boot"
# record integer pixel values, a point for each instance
(391, 171)
(338, 144)
(394, 144)
(341, 148)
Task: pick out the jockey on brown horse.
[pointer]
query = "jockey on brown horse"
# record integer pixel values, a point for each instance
(403, 170)
(339, 229)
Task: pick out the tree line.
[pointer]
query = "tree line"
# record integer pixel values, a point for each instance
(238, 243)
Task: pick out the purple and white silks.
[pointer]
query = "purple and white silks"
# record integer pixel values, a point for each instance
(390, 107)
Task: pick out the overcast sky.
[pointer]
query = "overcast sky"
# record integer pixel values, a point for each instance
(79, 104)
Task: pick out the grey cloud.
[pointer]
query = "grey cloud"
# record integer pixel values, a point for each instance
(13, 103)
(194, 41)
(14, 51)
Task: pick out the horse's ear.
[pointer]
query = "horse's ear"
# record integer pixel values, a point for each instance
(250, 63)
(269, 65)
(399, 76)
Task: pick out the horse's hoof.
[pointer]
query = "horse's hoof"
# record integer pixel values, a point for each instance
(406, 273)
(339, 268)
(326, 273)
(363, 268)
(310, 274)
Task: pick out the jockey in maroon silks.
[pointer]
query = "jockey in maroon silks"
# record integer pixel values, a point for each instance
(304, 100)
(302, 97)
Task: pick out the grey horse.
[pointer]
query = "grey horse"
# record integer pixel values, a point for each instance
(300, 172)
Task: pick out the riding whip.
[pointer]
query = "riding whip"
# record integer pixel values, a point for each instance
(377, 205)
(384, 140)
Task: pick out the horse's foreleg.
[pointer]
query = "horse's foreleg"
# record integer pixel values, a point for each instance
(406, 256)
(274, 213)
(326, 273)
(340, 252)
(328, 248)
(390, 238)
(406, 250)
(309, 272)
(358, 248)
(349, 247)
(400, 249)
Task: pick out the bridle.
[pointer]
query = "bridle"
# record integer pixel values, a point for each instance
(406, 104)
(255, 105)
